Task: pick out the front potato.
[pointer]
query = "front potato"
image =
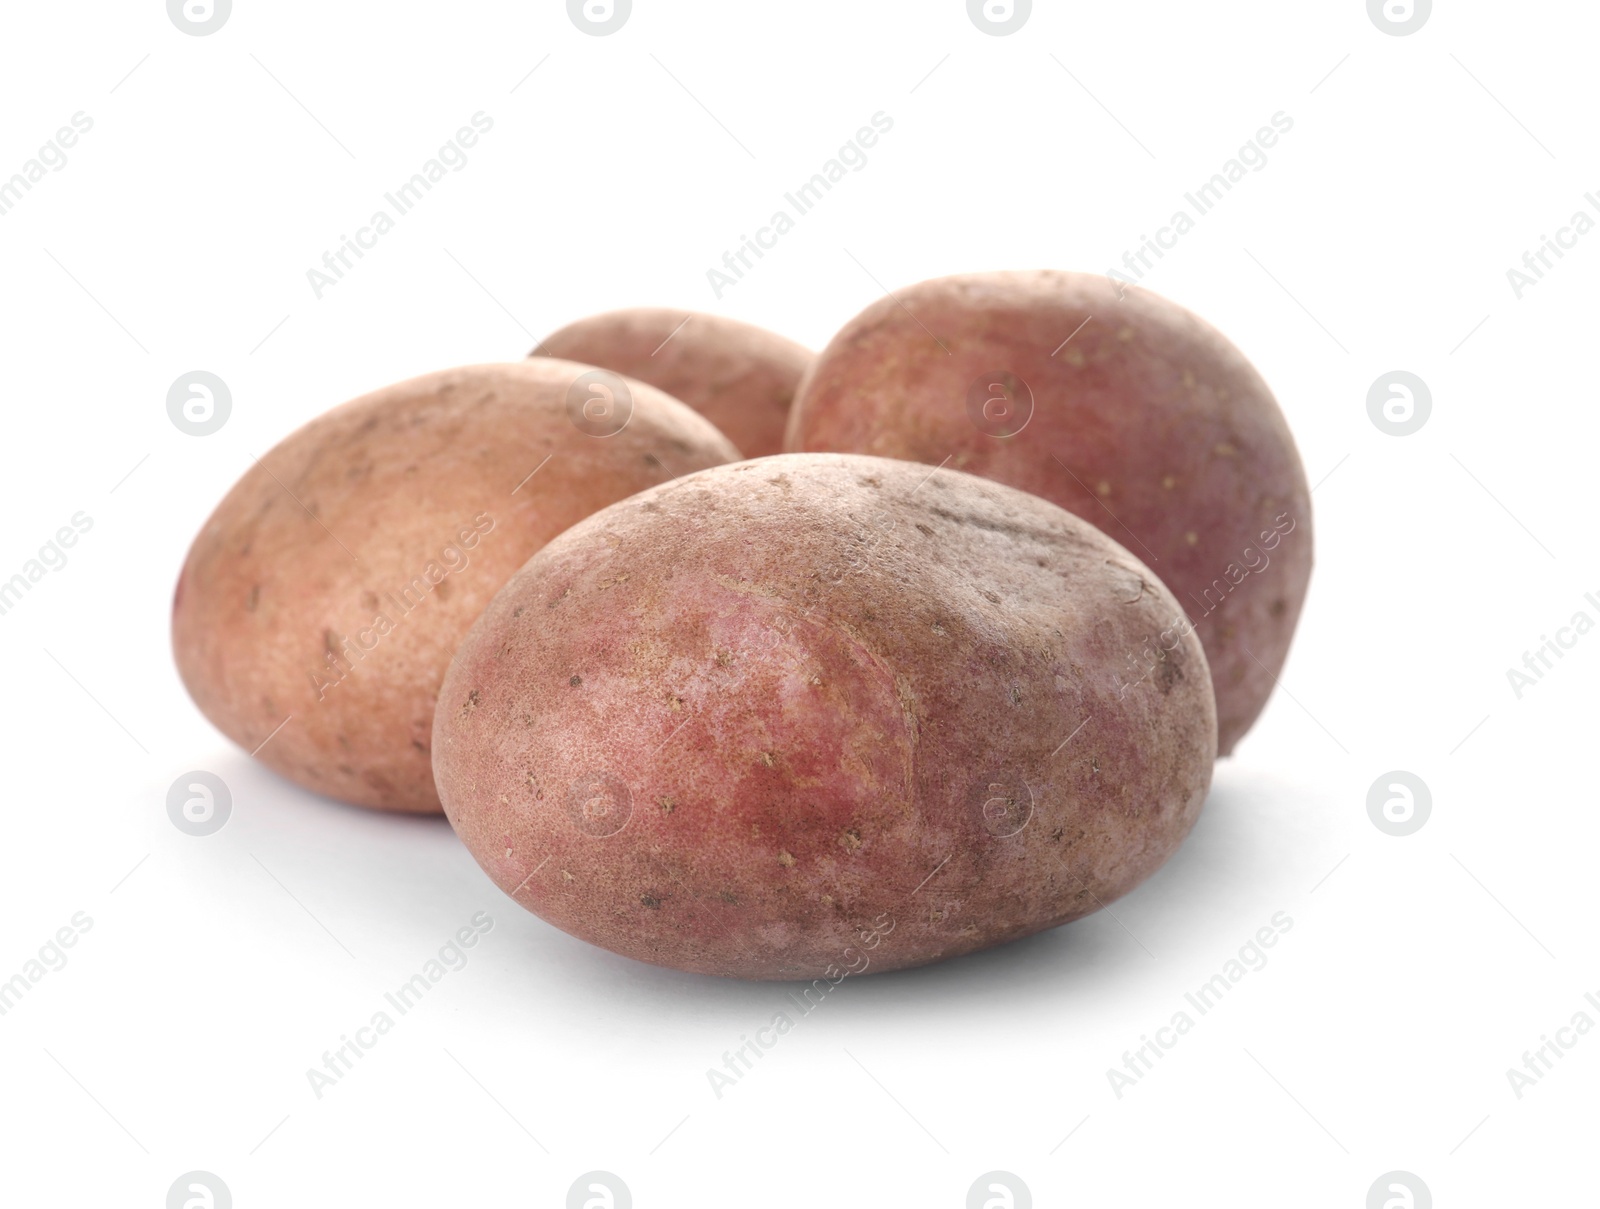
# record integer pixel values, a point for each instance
(820, 713)
(321, 603)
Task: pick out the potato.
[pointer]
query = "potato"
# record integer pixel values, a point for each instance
(741, 378)
(818, 714)
(321, 603)
(1128, 411)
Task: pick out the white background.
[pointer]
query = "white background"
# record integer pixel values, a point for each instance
(1378, 237)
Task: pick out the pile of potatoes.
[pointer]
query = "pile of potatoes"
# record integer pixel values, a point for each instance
(747, 661)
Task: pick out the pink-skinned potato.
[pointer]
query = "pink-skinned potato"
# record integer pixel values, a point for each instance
(1114, 403)
(322, 601)
(740, 377)
(819, 714)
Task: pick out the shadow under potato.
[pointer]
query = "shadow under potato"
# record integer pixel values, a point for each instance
(1146, 930)
(1230, 863)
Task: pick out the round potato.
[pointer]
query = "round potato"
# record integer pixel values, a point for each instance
(819, 714)
(1112, 402)
(320, 605)
(740, 377)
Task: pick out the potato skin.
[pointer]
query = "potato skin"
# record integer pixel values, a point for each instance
(1148, 423)
(333, 582)
(816, 714)
(740, 377)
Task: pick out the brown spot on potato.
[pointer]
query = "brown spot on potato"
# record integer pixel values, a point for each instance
(1168, 670)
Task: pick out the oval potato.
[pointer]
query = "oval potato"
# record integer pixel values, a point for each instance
(815, 714)
(1112, 402)
(321, 603)
(740, 377)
